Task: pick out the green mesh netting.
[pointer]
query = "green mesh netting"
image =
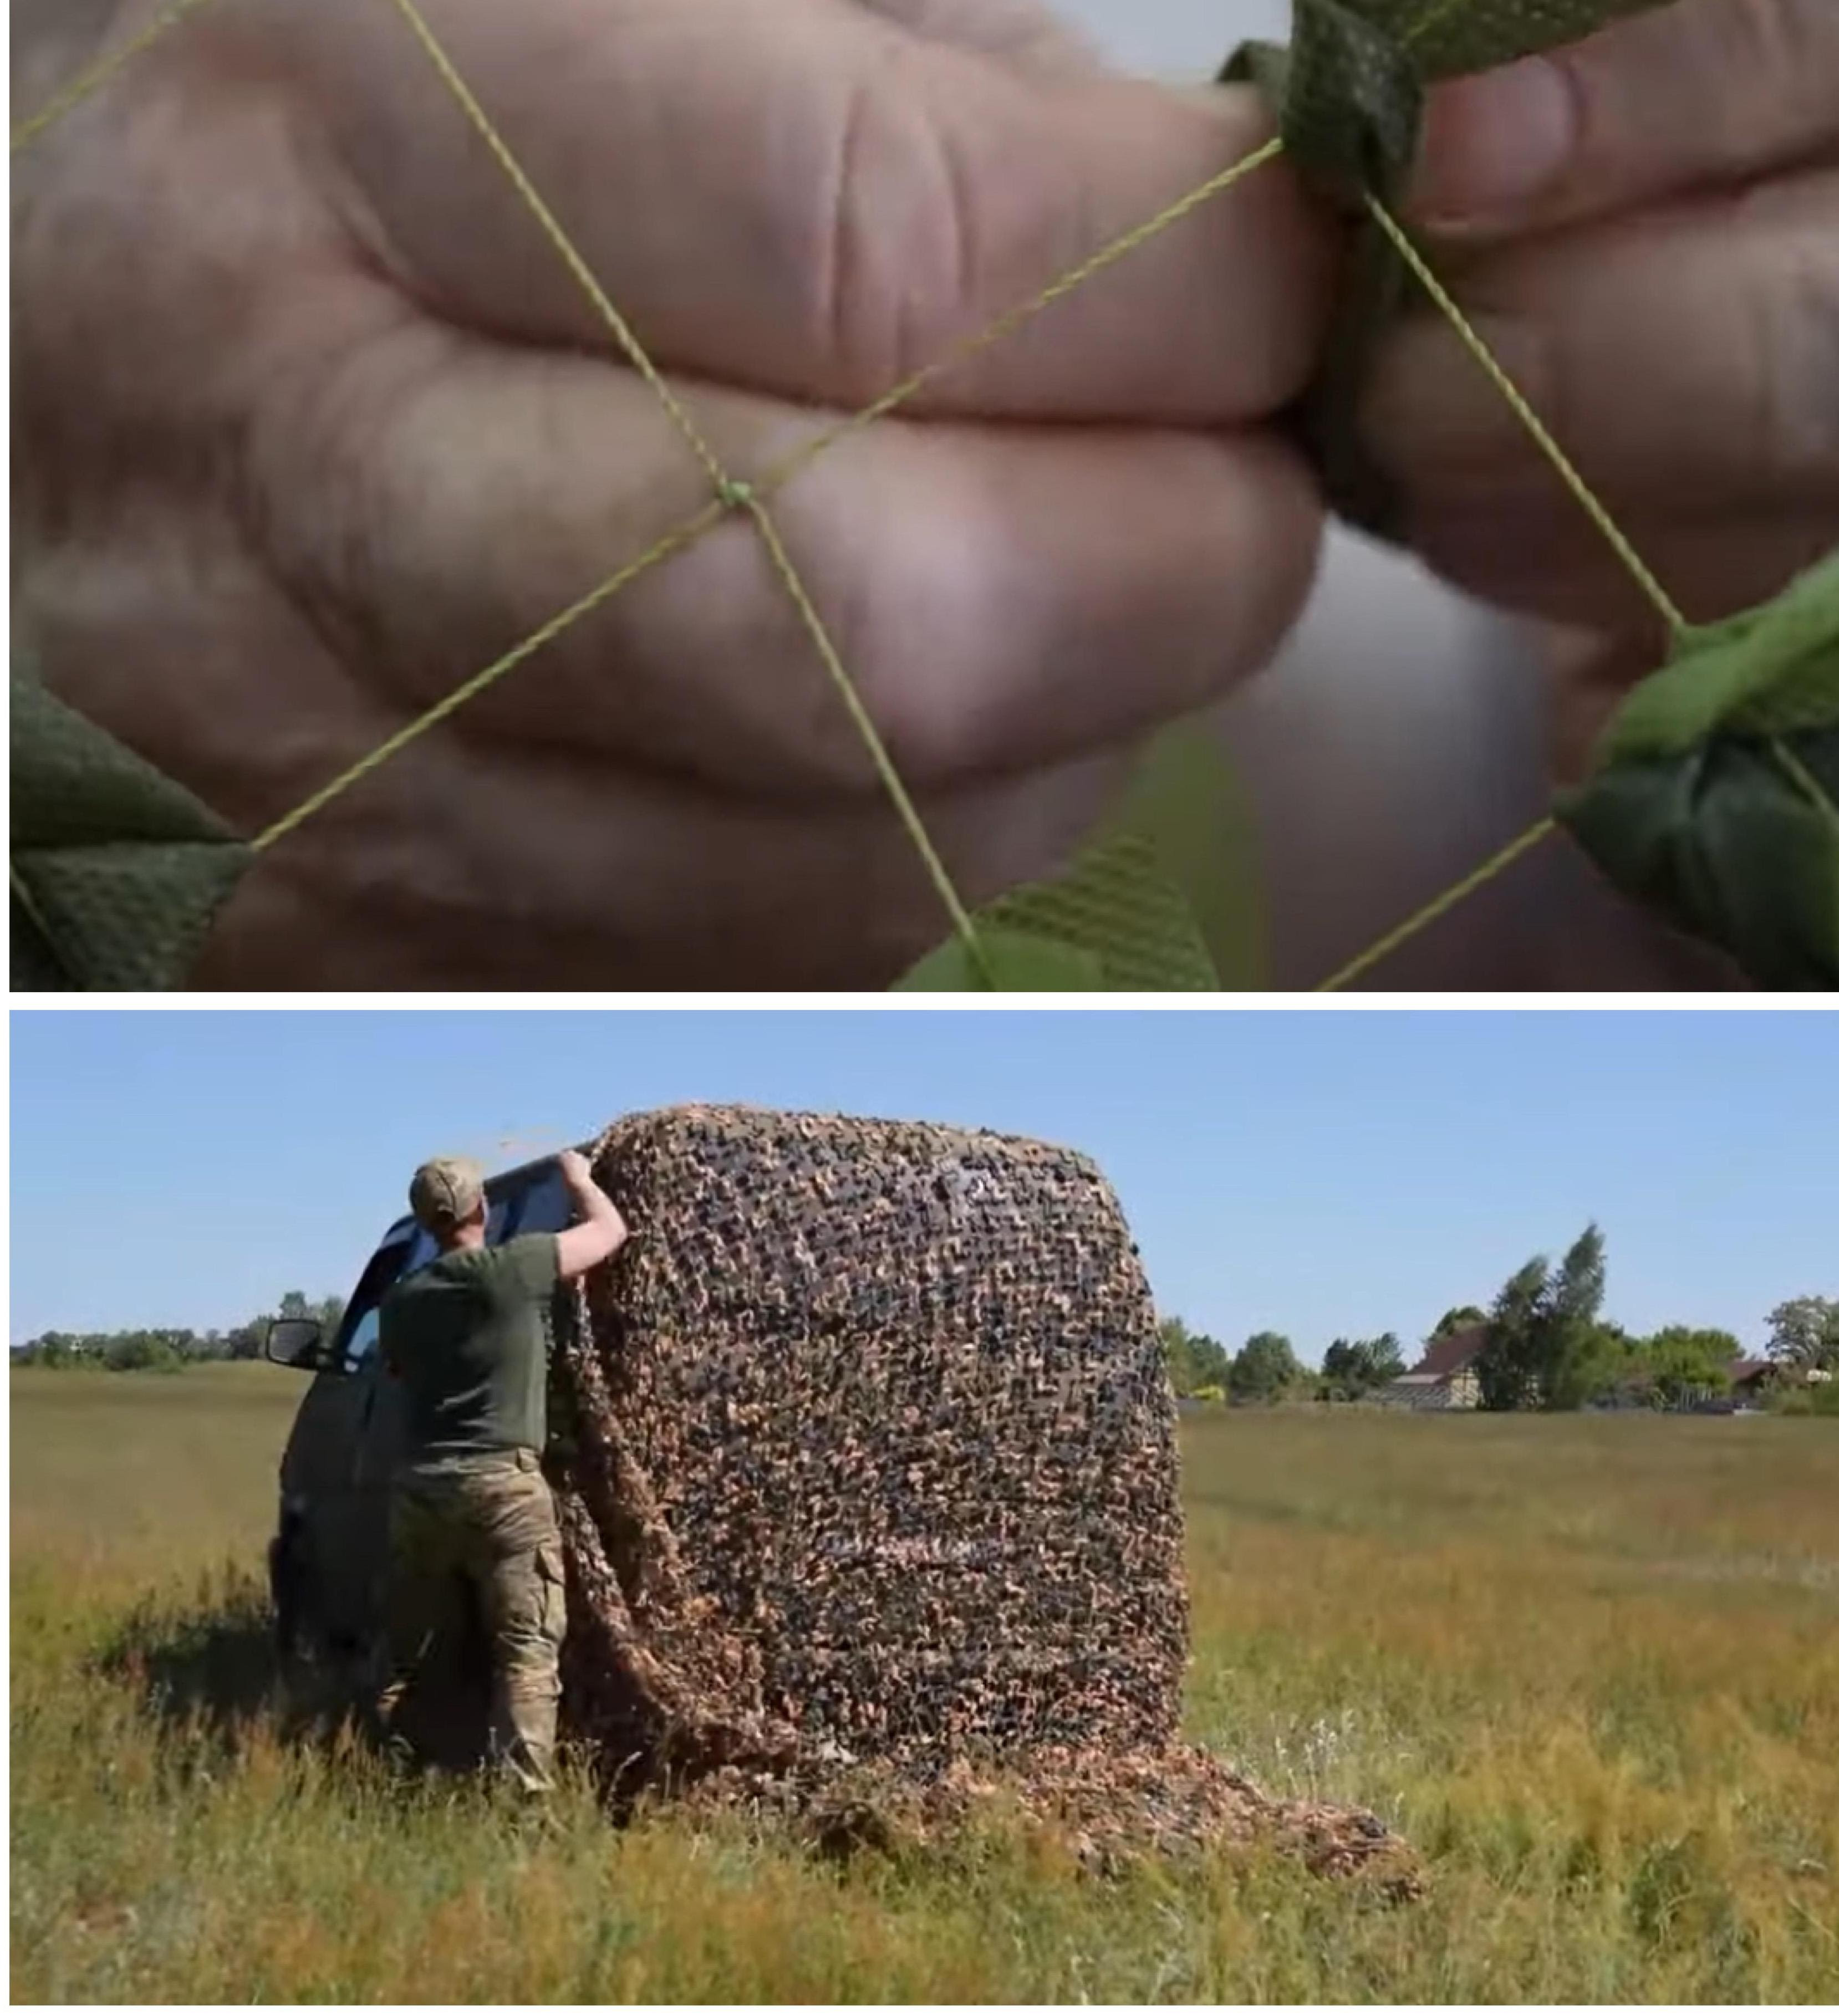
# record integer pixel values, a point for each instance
(1163, 901)
(117, 872)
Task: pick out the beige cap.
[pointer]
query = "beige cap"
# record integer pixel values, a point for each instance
(446, 1192)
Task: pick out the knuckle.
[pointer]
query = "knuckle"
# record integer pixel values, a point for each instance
(898, 245)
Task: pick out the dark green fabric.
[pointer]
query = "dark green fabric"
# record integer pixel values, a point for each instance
(1349, 97)
(467, 1336)
(1714, 794)
(117, 872)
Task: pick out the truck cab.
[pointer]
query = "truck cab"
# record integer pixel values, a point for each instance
(328, 1559)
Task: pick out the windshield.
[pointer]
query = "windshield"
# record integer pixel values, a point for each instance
(534, 1199)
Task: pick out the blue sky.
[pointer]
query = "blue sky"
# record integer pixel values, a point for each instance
(1319, 1174)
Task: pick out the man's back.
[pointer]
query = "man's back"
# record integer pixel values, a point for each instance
(467, 1336)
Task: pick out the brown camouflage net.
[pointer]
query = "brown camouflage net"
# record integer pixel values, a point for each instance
(869, 1501)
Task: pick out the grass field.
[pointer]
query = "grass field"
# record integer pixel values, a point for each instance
(1591, 1666)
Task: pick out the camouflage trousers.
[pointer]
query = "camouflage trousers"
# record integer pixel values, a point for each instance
(485, 1526)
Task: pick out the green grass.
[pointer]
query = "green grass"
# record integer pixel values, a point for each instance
(1590, 1666)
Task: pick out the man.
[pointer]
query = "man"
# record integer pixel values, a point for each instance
(467, 1336)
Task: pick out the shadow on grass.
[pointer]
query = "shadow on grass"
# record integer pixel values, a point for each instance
(217, 1667)
(214, 1665)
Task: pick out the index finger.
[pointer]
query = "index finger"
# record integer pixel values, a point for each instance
(810, 200)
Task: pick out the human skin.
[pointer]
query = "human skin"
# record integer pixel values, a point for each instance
(312, 423)
(1645, 230)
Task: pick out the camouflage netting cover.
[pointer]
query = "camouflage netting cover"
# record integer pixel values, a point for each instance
(870, 1498)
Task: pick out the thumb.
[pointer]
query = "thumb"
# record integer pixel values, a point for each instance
(810, 199)
(1694, 93)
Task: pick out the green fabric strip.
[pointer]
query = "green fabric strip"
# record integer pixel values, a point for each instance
(117, 872)
(1164, 900)
(1714, 796)
(1348, 95)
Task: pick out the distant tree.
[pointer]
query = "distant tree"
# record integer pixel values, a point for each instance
(246, 1340)
(294, 1305)
(1507, 1367)
(1352, 1366)
(1684, 1363)
(144, 1351)
(1804, 1333)
(1263, 1368)
(169, 1350)
(1547, 1345)
(1178, 1355)
(1464, 1317)
(1573, 1347)
(1193, 1359)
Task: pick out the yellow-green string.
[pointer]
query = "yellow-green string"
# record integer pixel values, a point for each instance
(1600, 516)
(1642, 575)
(563, 245)
(1805, 781)
(99, 73)
(672, 541)
(865, 727)
(1441, 906)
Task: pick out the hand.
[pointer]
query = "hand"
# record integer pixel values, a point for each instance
(313, 424)
(1646, 229)
(577, 1171)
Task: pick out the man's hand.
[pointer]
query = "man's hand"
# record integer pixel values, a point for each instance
(602, 1230)
(1646, 227)
(312, 423)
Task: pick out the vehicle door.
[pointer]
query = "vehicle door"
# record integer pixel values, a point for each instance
(332, 1516)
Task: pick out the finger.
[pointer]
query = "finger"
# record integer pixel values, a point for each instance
(1589, 674)
(1001, 598)
(1545, 558)
(464, 867)
(1019, 31)
(1698, 92)
(1694, 352)
(807, 200)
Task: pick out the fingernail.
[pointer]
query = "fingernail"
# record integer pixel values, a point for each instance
(1494, 144)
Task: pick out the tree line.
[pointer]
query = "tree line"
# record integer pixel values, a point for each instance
(171, 1350)
(1546, 1345)
(1549, 1345)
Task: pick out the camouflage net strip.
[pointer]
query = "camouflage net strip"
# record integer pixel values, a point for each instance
(871, 1502)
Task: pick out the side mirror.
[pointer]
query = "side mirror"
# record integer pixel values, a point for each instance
(294, 1341)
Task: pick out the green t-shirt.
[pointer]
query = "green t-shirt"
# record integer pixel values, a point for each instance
(468, 1336)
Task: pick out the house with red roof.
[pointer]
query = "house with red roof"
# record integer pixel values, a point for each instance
(1444, 1377)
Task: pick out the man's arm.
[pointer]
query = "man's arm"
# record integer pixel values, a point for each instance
(601, 1232)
